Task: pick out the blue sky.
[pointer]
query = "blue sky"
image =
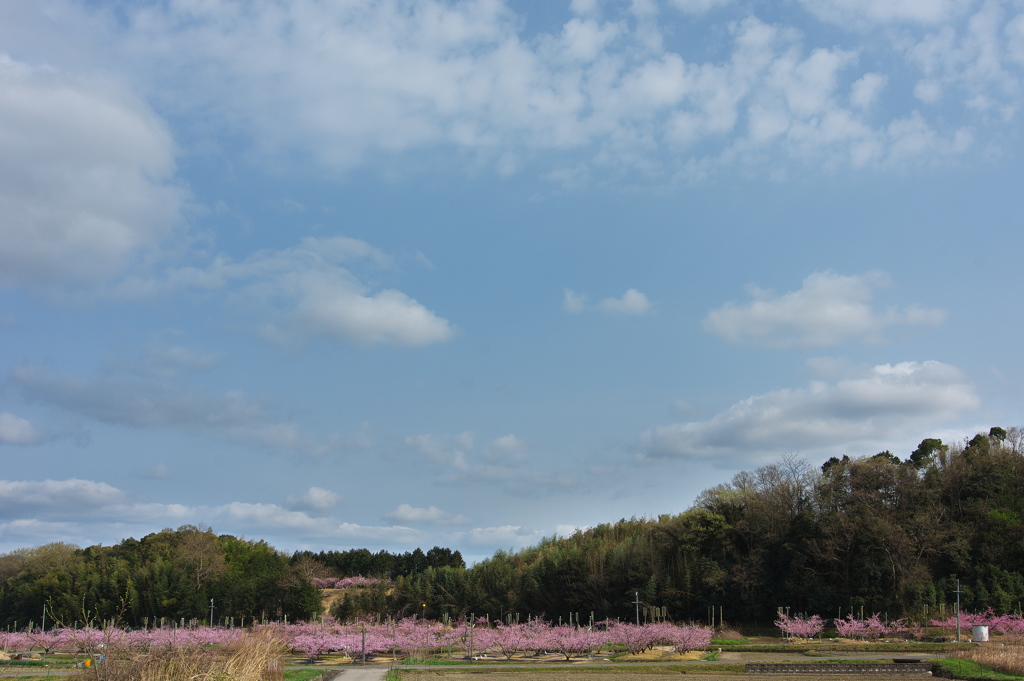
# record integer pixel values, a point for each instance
(416, 272)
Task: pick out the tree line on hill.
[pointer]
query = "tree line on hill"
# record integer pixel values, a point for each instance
(871, 534)
(171, 576)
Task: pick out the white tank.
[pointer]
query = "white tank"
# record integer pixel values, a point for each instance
(979, 633)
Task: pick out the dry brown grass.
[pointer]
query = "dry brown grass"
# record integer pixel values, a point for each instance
(256, 657)
(1004, 658)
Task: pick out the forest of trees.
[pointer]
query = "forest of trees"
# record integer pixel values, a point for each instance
(171, 574)
(880, 533)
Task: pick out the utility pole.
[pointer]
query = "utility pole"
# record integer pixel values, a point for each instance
(211, 612)
(958, 592)
(44, 618)
(637, 603)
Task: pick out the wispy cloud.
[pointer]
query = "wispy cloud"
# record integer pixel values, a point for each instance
(502, 462)
(139, 402)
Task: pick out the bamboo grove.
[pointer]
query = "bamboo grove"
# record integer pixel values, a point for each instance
(872, 534)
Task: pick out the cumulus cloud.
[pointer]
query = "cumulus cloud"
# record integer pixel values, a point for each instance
(865, 409)
(827, 310)
(430, 515)
(15, 430)
(86, 178)
(970, 59)
(632, 302)
(316, 499)
(307, 292)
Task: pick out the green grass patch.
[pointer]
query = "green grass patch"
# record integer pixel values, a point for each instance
(969, 669)
(302, 674)
(393, 675)
(729, 641)
(833, 647)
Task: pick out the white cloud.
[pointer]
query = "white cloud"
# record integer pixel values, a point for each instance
(15, 430)
(507, 448)
(829, 309)
(86, 179)
(570, 530)
(78, 510)
(329, 305)
(863, 410)
(586, 39)
(64, 498)
(353, 84)
(573, 303)
(430, 515)
(583, 7)
(865, 13)
(698, 6)
(316, 499)
(632, 302)
(928, 91)
(307, 292)
(975, 60)
(864, 91)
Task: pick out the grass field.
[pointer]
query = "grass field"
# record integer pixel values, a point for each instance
(302, 674)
